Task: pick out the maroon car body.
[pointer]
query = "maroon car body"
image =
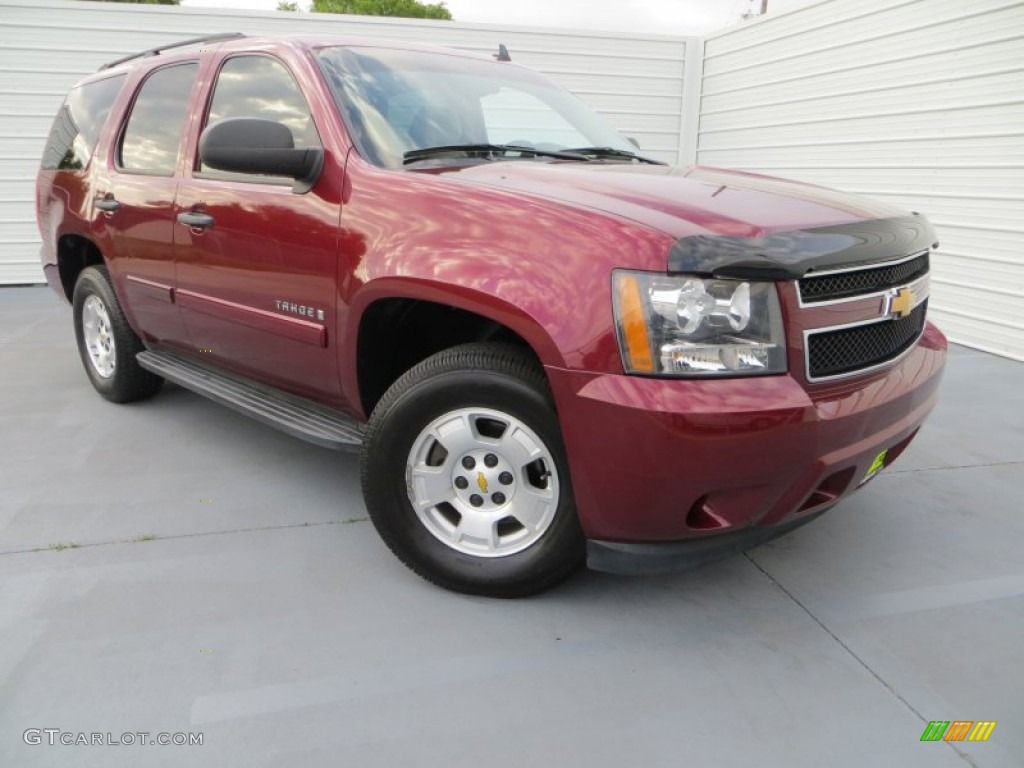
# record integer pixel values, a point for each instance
(665, 470)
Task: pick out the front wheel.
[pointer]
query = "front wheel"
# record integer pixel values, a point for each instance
(464, 474)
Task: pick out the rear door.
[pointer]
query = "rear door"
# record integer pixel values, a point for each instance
(257, 263)
(135, 201)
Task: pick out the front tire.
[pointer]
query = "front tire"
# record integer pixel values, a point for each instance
(464, 474)
(106, 342)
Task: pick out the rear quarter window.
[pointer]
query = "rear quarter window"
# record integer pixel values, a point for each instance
(77, 126)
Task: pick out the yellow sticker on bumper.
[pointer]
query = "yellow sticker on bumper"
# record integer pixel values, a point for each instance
(876, 465)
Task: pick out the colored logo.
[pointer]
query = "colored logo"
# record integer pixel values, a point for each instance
(958, 730)
(877, 465)
(902, 303)
(481, 481)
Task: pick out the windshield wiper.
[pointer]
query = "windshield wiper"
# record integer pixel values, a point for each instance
(599, 152)
(414, 155)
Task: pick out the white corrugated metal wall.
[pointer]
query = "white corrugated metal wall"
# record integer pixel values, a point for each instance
(636, 81)
(920, 103)
(917, 102)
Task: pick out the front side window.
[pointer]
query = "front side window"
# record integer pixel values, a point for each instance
(154, 129)
(396, 101)
(77, 126)
(259, 86)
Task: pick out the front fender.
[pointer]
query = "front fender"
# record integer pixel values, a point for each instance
(486, 305)
(538, 266)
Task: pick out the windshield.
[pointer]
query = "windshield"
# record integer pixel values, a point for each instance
(396, 101)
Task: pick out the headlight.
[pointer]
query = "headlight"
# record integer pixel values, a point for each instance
(673, 325)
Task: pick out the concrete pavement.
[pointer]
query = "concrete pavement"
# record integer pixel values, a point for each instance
(174, 567)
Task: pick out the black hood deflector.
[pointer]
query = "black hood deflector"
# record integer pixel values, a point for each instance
(791, 255)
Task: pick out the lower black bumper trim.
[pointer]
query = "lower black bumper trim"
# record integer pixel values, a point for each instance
(646, 558)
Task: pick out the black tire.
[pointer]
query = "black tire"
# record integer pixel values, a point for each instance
(126, 381)
(501, 379)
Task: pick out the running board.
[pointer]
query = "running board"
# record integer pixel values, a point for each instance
(297, 416)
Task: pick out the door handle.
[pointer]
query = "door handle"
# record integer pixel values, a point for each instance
(195, 219)
(108, 204)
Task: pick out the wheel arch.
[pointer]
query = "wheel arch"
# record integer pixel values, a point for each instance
(74, 253)
(396, 323)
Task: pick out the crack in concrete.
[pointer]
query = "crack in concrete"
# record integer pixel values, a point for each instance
(890, 472)
(845, 646)
(144, 538)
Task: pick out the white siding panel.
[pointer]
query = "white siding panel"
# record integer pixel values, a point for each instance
(895, 34)
(877, 181)
(817, 153)
(584, 84)
(988, 212)
(917, 103)
(23, 270)
(1005, 246)
(810, 21)
(636, 81)
(934, 120)
(945, 66)
(971, 273)
(17, 230)
(956, 310)
(989, 88)
(21, 146)
(11, 209)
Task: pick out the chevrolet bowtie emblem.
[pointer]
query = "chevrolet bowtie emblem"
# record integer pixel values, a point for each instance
(902, 303)
(481, 481)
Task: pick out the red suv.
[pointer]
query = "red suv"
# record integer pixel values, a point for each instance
(548, 347)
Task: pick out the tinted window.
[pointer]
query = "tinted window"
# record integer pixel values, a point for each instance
(151, 138)
(78, 124)
(258, 86)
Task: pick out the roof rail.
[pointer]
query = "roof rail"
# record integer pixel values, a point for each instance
(156, 51)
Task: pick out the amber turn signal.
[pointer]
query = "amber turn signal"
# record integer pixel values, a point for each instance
(636, 341)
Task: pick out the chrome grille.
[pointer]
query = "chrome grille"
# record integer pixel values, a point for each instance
(835, 352)
(858, 282)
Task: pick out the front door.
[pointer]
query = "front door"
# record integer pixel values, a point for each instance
(256, 262)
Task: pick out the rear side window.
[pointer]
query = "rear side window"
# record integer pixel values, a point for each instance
(78, 124)
(153, 133)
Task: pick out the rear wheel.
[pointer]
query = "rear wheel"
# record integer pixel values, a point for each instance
(465, 477)
(106, 342)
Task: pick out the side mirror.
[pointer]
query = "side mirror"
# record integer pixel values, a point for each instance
(632, 140)
(255, 145)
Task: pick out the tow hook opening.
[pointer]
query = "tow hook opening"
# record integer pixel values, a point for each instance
(830, 489)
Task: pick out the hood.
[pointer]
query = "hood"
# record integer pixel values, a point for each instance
(727, 223)
(681, 201)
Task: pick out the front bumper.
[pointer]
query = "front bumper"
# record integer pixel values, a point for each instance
(669, 473)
